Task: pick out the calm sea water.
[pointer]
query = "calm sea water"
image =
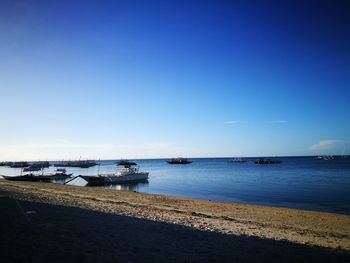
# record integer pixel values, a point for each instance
(298, 182)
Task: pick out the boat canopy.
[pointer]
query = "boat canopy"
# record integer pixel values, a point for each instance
(61, 170)
(31, 169)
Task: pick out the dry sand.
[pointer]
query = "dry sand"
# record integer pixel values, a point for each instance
(186, 230)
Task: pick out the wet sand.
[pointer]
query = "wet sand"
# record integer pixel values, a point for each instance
(47, 222)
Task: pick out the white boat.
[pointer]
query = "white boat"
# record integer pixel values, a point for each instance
(128, 174)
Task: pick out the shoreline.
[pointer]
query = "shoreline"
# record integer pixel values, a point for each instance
(314, 228)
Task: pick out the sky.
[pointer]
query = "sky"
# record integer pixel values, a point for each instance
(159, 79)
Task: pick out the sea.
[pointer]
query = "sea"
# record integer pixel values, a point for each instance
(297, 182)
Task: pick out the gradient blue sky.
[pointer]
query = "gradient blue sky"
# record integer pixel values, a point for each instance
(148, 79)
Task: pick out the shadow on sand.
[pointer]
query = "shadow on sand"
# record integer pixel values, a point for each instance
(36, 232)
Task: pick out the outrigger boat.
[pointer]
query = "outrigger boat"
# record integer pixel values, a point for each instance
(29, 175)
(79, 163)
(19, 164)
(128, 174)
(267, 161)
(237, 160)
(179, 160)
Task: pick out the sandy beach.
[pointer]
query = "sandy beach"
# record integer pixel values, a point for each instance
(72, 223)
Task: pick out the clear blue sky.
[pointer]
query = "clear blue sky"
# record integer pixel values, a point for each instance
(148, 79)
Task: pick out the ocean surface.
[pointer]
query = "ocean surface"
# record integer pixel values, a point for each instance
(297, 182)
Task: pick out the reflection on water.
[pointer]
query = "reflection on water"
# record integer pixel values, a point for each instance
(125, 187)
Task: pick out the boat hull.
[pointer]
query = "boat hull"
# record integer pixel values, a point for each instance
(267, 161)
(113, 179)
(37, 178)
(179, 162)
(28, 178)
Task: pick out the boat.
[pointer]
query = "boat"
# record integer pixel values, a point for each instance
(267, 161)
(19, 164)
(79, 163)
(179, 160)
(236, 160)
(325, 157)
(40, 164)
(123, 162)
(6, 163)
(29, 175)
(128, 174)
(59, 174)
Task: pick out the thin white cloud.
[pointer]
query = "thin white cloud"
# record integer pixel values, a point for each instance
(322, 145)
(278, 121)
(231, 122)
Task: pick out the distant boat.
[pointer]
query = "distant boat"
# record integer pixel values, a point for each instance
(325, 157)
(125, 162)
(237, 160)
(267, 161)
(40, 164)
(6, 163)
(129, 174)
(19, 164)
(179, 160)
(79, 163)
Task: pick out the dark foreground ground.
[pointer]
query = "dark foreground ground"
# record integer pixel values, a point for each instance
(38, 232)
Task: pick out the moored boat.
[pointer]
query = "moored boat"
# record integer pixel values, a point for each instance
(19, 164)
(123, 162)
(179, 160)
(30, 175)
(237, 160)
(267, 161)
(128, 174)
(6, 163)
(79, 163)
(325, 157)
(59, 174)
(40, 164)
